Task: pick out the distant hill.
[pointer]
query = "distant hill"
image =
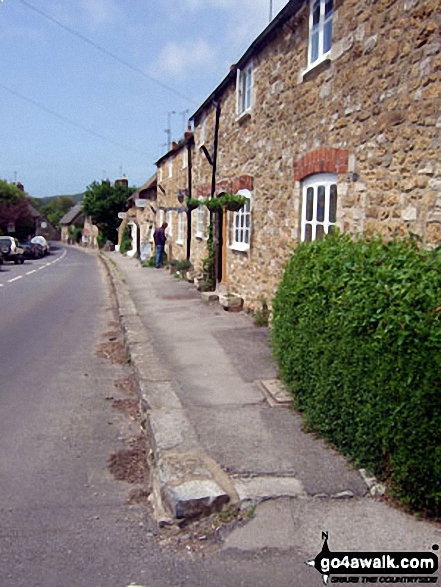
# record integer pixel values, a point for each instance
(76, 197)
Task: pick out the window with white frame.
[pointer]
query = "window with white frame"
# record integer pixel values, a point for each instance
(200, 220)
(320, 29)
(169, 220)
(244, 89)
(161, 217)
(180, 238)
(319, 206)
(170, 166)
(184, 157)
(241, 225)
(160, 173)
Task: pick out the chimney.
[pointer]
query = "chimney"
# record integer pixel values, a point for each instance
(188, 135)
(124, 182)
(19, 185)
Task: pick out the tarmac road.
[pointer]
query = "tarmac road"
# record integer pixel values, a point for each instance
(64, 520)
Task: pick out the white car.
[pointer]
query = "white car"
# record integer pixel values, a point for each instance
(40, 240)
(10, 250)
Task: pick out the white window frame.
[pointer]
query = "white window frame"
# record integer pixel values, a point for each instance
(242, 224)
(244, 89)
(318, 31)
(314, 182)
(170, 166)
(200, 220)
(180, 237)
(161, 217)
(184, 157)
(169, 220)
(160, 173)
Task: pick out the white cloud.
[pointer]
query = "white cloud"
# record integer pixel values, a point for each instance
(178, 59)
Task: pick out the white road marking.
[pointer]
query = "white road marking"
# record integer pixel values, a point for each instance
(35, 270)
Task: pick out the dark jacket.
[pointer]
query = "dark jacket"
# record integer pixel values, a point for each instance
(159, 236)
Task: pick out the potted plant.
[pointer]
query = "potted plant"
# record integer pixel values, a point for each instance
(172, 265)
(231, 302)
(214, 204)
(192, 203)
(182, 267)
(233, 202)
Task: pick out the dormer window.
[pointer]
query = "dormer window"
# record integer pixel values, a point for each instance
(244, 87)
(320, 30)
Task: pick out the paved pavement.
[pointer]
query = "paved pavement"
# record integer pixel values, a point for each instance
(219, 438)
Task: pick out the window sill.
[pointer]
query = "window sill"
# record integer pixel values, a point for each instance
(321, 63)
(241, 247)
(199, 235)
(245, 115)
(180, 242)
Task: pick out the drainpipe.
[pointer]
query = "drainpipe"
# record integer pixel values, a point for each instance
(189, 143)
(217, 235)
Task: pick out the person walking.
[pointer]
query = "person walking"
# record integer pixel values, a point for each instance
(160, 240)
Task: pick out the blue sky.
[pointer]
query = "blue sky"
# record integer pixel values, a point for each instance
(53, 85)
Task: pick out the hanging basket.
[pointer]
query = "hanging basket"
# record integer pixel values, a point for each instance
(214, 204)
(234, 206)
(192, 204)
(233, 202)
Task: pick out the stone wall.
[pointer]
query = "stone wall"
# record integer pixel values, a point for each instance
(168, 206)
(374, 106)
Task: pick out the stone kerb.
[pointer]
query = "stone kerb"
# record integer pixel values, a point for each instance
(186, 482)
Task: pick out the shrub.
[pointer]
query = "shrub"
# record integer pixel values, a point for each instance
(357, 335)
(183, 265)
(262, 314)
(126, 240)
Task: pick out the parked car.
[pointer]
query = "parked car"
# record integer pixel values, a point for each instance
(40, 240)
(32, 250)
(11, 250)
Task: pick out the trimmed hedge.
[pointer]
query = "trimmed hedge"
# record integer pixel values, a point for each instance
(357, 335)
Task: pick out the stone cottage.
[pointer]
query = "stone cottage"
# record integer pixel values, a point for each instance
(332, 117)
(173, 190)
(140, 215)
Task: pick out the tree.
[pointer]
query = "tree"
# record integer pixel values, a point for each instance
(56, 209)
(102, 202)
(14, 207)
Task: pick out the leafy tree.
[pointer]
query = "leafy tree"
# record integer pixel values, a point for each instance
(57, 208)
(14, 207)
(102, 202)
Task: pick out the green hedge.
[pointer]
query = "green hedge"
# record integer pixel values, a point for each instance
(357, 335)
(126, 240)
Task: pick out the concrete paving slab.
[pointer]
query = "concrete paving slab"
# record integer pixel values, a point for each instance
(171, 430)
(253, 490)
(353, 525)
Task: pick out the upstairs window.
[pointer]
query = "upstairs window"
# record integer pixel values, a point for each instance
(319, 206)
(241, 228)
(244, 88)
(320, 29)
(170, 166)
(184, 158)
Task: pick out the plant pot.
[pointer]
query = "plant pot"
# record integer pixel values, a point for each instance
(234, 206)
(231, 302)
